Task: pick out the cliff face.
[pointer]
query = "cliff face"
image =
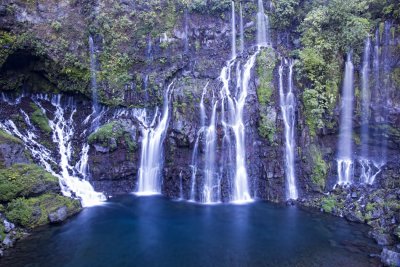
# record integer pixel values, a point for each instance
(140, 48)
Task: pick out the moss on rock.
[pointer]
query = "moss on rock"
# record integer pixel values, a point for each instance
(39, 119)
(320, 167)
(33, 212)
(6, 138)
(110, 135)
(266, 61)
(24, 180)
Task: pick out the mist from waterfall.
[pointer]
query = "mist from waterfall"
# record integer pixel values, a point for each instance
(151, 160)
(345, 157)
(288, 108)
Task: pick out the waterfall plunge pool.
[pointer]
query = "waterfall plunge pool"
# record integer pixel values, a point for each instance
(154, 231)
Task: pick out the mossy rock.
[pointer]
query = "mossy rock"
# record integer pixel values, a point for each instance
(39, 119)
(320, 167)
(6, 138)
(25, 180)
(266, 61)
(329, 204)
(33, 212)
(110, 135)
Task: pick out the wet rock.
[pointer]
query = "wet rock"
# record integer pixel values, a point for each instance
(8, 241)
(381, 238)
(101, 149)
(390, 258)
(3, 10)
(8, 226)
(59, 215)
(354, 216)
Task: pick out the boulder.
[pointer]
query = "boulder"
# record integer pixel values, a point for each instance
(390, 258)
(381, 238)
(59, 215)
(8, 226)
(8, 241)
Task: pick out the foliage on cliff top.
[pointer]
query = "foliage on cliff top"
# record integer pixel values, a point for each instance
(35, 211)
(23, 180)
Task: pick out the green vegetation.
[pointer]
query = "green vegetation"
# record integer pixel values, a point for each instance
(320, 167)
(39, 119)
(112, 134)
(35, 211)
(329, 204)
(208, 6)
(267, 128)
(6, 41)
(266, 61)
(328, 32)
(24, 180)
(6, 138)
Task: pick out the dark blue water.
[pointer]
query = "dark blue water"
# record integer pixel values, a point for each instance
(153, 231)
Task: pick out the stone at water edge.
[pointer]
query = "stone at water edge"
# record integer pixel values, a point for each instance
(59, 215)
(390, 258)
(8, 226)
(381, 238)
(8, 241)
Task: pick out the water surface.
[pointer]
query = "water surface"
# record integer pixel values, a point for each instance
(154, 231)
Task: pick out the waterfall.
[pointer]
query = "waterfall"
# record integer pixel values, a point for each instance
(288, 106)
(62, 126)
(241, 30)
(345, 161)
(210, 192)
(151, 162)
(181, 185)
(369, 168)
(186, 39)
(263, 35)
(365, 99)
(386, 51)
(196, 145)
(241, 192)
(233, 26)
(93, 68)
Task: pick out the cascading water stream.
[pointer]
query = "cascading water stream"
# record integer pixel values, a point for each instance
(233, 28)
(288, 105)
(369, 167)
(365, 99)
(93, 73)
(345, 158)
(210, 192)
(151, 162)
(263, 35)
(62, 126)
(241, 30)
(196, 145)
